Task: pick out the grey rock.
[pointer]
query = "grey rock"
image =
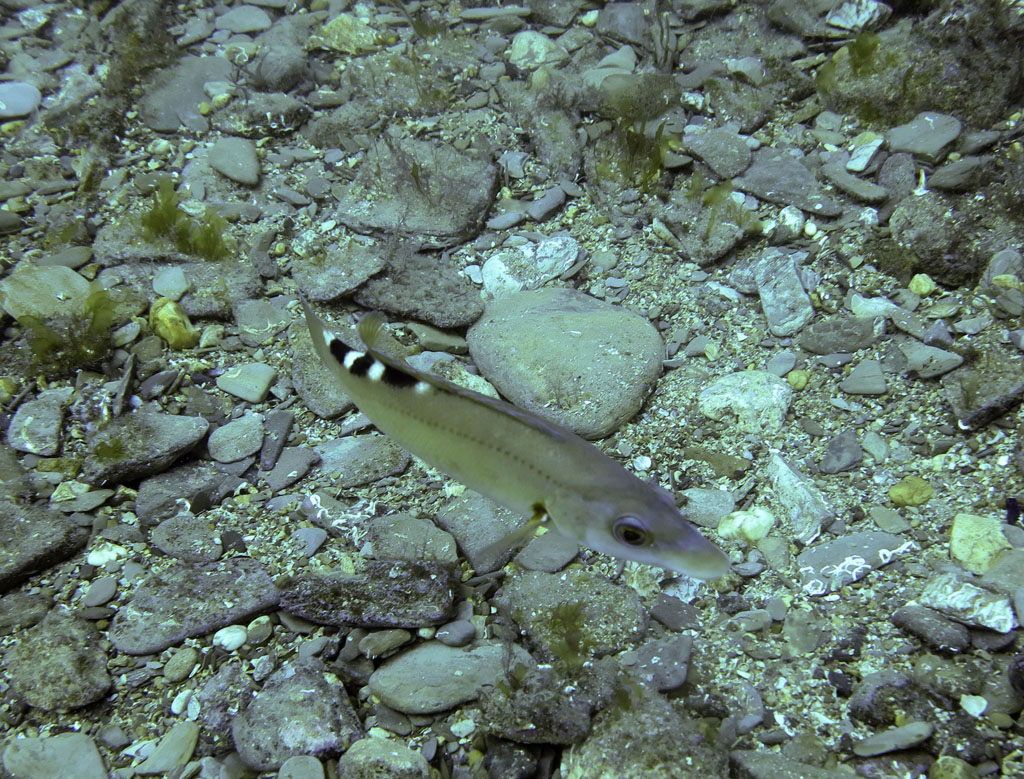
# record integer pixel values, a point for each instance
(174, 96)
(318, 388)
(963, 174)
(34, 538)
(664, 662)
(243, 18)
(140, 444)
(58, 664)
(277, 426)
(293, 464)
(314, 703)
(725, 152)
(361, 459)
(838, 334)
(548, 552)
(423, 287)
(422, 191)
(926, 136)
(158, 496)
(832, 565)
(172, 752)
(854, 186)
(610, 616)
(457, 633)
(401, 537)
(894, 739)
(781, 363)
(535, 347)
(248, 381)
(478, 525)
(336, 271)
(388, 594)
(187, 538)
(237, 439)
(259, 322)
(779, 177)
(937, 631)
(929, 361)
(187, 600)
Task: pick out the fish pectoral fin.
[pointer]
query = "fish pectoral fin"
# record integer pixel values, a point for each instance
(501, 551)
(372, 329)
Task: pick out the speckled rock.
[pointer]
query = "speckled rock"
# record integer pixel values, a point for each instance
(302, 709)
(59, 664)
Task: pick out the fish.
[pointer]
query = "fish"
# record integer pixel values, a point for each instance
(520, 460)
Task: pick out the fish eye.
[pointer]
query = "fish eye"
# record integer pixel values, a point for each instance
(631, 532)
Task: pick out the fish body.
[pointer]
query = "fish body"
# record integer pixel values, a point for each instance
(518, 459)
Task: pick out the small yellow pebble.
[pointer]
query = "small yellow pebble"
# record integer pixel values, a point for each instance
(1007, 281)
(750, 526)
(975, 542)
(911, 491)
(171, 323)
(922, 285)
(798, 379)
(205, 109)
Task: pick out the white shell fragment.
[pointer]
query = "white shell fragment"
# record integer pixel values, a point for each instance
(231, 637)
(858, 15)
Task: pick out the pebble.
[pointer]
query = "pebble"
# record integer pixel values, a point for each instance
(243, 19)
(361, 459)
(173, 750)
(975, 541)
(181, 663)
(894, 739)
(236, 440)
(250, 381)
(18, 98)
(750, 526)
(843, 452)
(530, 50)
(301, 767)
(911, 491)
(780, 285)
(433, 677)
(51, 756)
(370, 757)
(36, 426)
(100, 591)
(311, 539)
(230, 638)
(188, 538)
(929, 361)
(547, 350)
(171, 283)
(236, 159)
(866, 378)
